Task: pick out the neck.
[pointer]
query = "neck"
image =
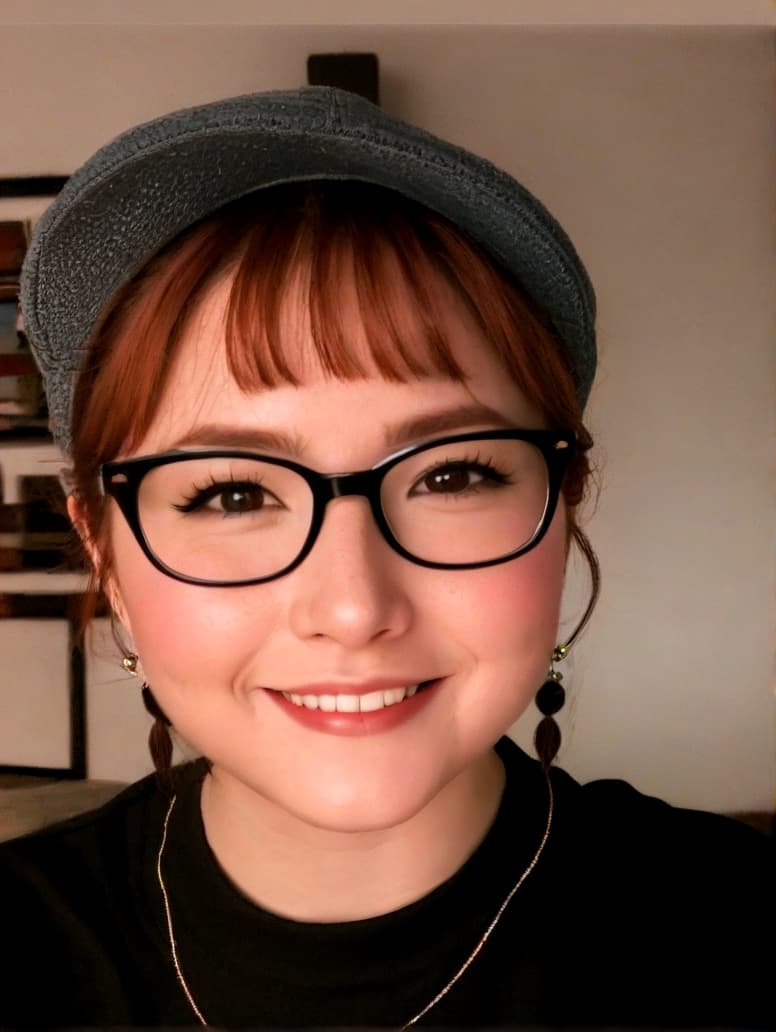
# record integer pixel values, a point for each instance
(311, 874)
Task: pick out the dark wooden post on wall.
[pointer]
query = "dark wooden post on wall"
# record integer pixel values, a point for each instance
(358, 73)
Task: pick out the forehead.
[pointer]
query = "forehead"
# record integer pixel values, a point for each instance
(324, 409)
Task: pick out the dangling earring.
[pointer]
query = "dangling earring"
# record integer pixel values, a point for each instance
(552, 695)
(159, 741)
(549, 701)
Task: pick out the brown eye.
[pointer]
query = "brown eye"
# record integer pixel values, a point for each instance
(241, 499)
(455, 479)
(232, 498)
(452, 479)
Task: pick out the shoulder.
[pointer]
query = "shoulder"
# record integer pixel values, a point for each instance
(671, 837)
(611, 816)
(662, 908)
(621, 838)
(93, 849)
(679, 900)
(77, 904)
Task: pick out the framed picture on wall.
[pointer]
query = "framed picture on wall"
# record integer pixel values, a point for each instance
(42, 731)
(22, 403)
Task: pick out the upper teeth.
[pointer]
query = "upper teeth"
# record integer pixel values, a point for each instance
(352, 703)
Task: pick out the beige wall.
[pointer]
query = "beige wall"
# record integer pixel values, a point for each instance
(654, 147)
(395, 12)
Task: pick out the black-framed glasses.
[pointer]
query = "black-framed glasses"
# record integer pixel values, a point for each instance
(231, 517)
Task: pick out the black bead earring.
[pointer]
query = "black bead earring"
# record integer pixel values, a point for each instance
(549, 701)
(552, 695)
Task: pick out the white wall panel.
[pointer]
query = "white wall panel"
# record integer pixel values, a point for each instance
(34, 693)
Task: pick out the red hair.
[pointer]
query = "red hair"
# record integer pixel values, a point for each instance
(330, 233)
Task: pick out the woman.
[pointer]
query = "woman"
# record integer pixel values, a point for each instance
(320, 379)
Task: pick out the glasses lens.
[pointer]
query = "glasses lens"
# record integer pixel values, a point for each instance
(225, 519)
(467, 502)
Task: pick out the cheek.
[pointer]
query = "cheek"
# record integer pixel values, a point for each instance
(185, 635)
(518, 603)
(508, 616)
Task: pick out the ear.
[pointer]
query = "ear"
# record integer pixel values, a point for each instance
(108, 583)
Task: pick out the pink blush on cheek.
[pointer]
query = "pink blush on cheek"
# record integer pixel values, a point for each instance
(530, 584)
(189, 635)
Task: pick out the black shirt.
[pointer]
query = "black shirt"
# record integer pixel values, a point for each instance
(637, 913)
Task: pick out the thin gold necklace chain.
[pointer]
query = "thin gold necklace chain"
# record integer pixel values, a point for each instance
(443, 992)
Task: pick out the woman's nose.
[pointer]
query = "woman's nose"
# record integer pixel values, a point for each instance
(350, 585)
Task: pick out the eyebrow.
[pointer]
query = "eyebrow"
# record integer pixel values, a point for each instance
(221, 435)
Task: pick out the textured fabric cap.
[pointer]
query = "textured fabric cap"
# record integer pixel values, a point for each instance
(149, 184)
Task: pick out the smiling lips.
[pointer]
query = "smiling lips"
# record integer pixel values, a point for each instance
(368, 697)
(353, 702)
(342, 708)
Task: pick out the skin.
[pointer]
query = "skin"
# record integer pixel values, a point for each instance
(313, 826)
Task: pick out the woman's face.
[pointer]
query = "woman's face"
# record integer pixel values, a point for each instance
(354, 610)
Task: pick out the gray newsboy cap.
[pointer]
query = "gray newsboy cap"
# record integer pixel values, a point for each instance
(152, 182)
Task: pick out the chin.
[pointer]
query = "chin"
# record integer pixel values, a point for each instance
(353, 807)
(351, 821)
(348, 798)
